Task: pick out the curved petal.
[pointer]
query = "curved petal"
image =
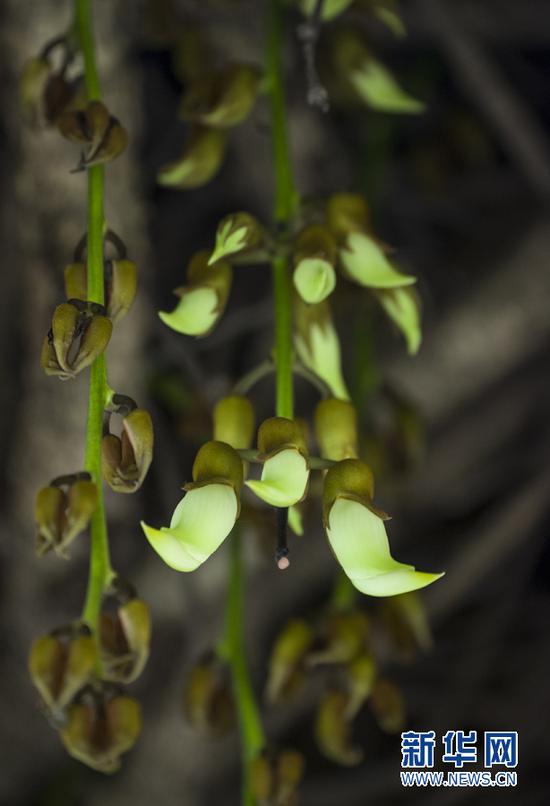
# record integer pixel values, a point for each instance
(321, 354)
(379, 89)
(195, 314)
(366, 263)
(284, 479)
(314, 279)
(295, 523)
(359, 541)
(200, 523)
(401, 305)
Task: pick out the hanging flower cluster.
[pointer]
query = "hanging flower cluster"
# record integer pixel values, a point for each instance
(79, 669)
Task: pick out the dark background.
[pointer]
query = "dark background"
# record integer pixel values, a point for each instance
(462, 191)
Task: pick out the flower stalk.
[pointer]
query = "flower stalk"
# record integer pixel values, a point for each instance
(100, 573)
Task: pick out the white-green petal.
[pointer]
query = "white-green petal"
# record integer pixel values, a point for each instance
(284, 479)
(195, 314)
(359, 541)
(379, 89)
(314, 279)
(200, 523)
(402, 307)
(366, 263)
(321, 354)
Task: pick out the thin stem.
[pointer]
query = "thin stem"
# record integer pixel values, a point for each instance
(232, 649)
(285, 203)
(101, 572)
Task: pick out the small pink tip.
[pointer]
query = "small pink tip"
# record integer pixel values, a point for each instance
(283, 563)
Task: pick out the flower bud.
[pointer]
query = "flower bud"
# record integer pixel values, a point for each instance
(97, 130)
(286, 661)
(76, 279)
(222, 99)
(43, 92)
(60, 666)
(388, 706)
(333, 730)
(121, 288)
(314, 259)
(406, 620)
(357, 535)
(237, 233)
(317, 344)
(124, 641)
(361, 675)
(60, 516)
(207, 513)
(402, 305)
(347, 212)
(208, 699)
(200, 161)
(285, 471)
(372, 82)
(126, 459)
(274, 779)
(76, 339)
(345, 637)
(234, 421)
(336, 429)
(203, 300)
(98, 732)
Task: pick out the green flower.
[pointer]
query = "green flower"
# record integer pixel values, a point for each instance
(317, 344)
(285, 471)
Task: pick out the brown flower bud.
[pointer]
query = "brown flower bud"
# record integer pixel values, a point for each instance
(274, 778)
(345, 635)
(60, 666)
(361, 675)
(120, 285)
(388, 706)
(98, 732)
(126, 459)
(222, 99)
(286, 662)
(237, 234)
(333, 730)
(97, 130)
(208, 699)
(44, 93)
(124, 641)
(61, 515)
(77, 338)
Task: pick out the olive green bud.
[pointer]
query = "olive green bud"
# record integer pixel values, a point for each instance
(77, 337)
(347, 212)
(222, 99)
(261, 778)
(314, 258)
(217, 463)
(44, 93)
(200, 160)
(234, 421)
(317, 344)
(60, 666)
(126, 459)
(76, 278)
(388, 706)
(361, 674)
(208, 700)
(203, 299)
(124, 641)
(285, 470)
(274, 778)
(97, 130)
(373, 83)
(120, 285)
(345, 636)
(61, 515)
(406, 620)
(286, 662)
(336, 429)
(237, 233)
(333, 730)
(290, 771)
(351, 479)
(98, 732)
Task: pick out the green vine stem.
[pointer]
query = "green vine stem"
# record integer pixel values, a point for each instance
(232, 650)
(100, 565)
(286, 200)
